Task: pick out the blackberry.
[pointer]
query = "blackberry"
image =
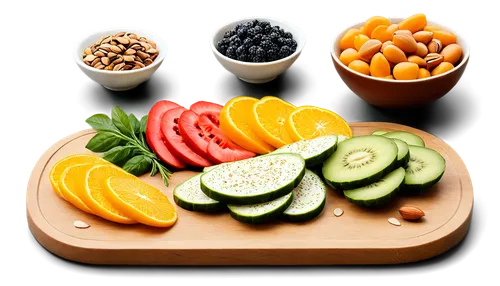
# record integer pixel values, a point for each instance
(235, 41)
(255, 22)
(281, 42)
(258, 30)
(230, 33)
(248, 25)
(264, 24)
(242, 32)
(268, 29)
(284, 52)
(251, 33)
(247, 43)
(275, 46)
(288, 35)
(266, 45)
(293, 45)
(274, 36)
(240, 51)
(287, 42)
(257, 39)
(222, 45)
(257, 59)
(231, 52)
(272, 55)
(252, 50)
(260, 52)
(242, 57)
(238, 27)
(266, 38)
(281, 32)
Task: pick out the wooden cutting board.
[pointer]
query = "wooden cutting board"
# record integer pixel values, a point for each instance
(359, 236)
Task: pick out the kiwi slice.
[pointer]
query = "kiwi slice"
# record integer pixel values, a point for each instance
(379, 132)
(403, 153)
(360, 161)
(425, 168)
(409, 138)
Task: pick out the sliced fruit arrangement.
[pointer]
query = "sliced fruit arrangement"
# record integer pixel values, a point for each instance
(103, 189)
(371, 169)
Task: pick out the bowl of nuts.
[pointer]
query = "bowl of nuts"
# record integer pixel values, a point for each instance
(400, 63)
(257, 50)
(120, 59)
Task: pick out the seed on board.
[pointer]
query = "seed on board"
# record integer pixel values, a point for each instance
(338, 212)
(80, 224)
(394, 221)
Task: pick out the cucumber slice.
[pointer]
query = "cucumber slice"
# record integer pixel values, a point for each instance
(309, 199)
(379, 132)
(314, 151)
(403, 153)
(260, 213)
(378, 193)
(189, 196)
(425, 168)
(409, 138)
(255, 180)
(360, 161)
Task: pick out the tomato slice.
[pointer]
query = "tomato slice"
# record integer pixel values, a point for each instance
(154, 136)
(205, 106)
(174, 141)
(222, 151)
(197, 131)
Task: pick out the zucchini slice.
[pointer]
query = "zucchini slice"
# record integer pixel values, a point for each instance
(314, 151)
(309, 199)
(403, 153)
(260, 213)
(425, 168)
(189, 196)
(409, 138)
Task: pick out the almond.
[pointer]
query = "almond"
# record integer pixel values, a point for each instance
(423, 37)
(411, 213)
(369, 49)
(404, 40)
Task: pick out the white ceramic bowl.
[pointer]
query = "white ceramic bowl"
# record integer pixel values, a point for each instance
(400, 93)
(119, 80)
(258, 72)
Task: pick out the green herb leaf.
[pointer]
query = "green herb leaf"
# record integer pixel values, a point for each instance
(135, 124)
(154, 170)
(121, 120)
(120, 154)
(144, 122)
(101, 122)
(103, 141)
(138, 165)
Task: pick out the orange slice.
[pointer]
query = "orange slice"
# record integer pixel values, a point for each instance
(307, 122)
(73, 179)
(140, 201)
(57, 170)
(93, 197)
(268, 120)
(235, 125)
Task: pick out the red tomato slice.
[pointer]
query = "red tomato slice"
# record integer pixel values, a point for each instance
(205, 106)
(154, 136)
(222, 151)
(197, 131)
(174, 141)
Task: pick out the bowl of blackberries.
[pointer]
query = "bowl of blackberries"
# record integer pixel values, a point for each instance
(257, 50)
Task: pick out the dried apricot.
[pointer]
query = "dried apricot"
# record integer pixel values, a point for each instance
(423, 36)
(442, 68)
(422, 50)
(348, 55)
(432, 28)
(405, 71)
(414, 23)
(368, 49)
(384, 33)
(394, 54)
(447, 38)
(423, 73)
(404, 40)
(452, 53)
(385, 44)
(347, 40)
(379, 66)
(360, 66)
(374, 22)
(359, 40)
(417, 60)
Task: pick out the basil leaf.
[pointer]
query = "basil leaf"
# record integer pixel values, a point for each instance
(101, 122)
(138, 165)
(103, 141)
(119, 155)
(121, 120)
(144, 123)
(134, 123)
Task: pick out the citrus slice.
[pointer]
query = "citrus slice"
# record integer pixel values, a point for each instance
(57, 170)
(234, 123)
(140, 201)
(308, 122)
(73, 179)
(92, 194)
(268, 120)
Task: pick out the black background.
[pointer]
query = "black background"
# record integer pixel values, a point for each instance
(50, 104)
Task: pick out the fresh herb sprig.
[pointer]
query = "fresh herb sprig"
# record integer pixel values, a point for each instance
(122, 140)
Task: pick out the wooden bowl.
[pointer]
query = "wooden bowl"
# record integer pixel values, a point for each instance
(399, 93)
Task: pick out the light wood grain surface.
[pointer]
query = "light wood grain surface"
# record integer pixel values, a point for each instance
(359, 236)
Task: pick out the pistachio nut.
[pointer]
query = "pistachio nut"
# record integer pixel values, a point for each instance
(369, 49)
(435, 46)
(432, 60)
